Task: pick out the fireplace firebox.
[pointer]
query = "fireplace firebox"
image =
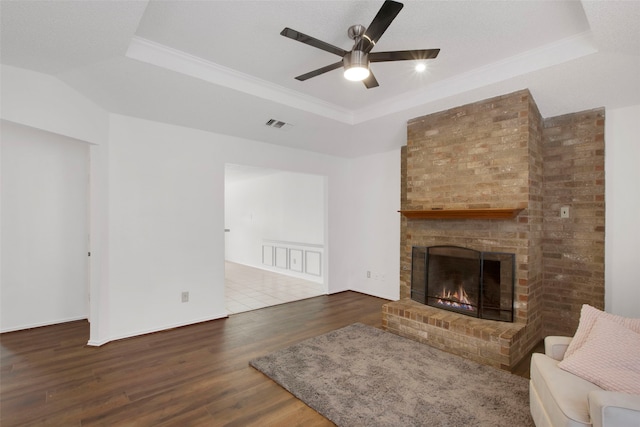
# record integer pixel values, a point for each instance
(466, 281)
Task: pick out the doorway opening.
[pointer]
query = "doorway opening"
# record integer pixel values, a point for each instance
(274, 237)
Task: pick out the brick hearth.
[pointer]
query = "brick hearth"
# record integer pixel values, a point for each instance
(492, 343)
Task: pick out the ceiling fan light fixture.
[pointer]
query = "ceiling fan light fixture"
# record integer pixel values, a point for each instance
(356, 66)
(356, 74)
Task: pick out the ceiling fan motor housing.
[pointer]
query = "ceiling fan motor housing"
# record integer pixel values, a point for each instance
(356, 58)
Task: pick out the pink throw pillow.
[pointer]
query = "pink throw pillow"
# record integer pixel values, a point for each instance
(609, 358)
(588, 317)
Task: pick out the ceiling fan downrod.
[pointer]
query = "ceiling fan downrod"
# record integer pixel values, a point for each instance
(356, 62)
(357, 33)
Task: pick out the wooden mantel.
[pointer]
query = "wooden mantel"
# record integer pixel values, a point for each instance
(508, 213)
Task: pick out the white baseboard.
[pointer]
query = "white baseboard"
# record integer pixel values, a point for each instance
(376, 294)
(93, 343)
(41, 324)
(337, 291)
(99, 343)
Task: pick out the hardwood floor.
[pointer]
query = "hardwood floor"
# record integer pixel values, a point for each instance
(189, 376)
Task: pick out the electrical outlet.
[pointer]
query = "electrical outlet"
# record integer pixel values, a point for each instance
(185, 296)
(564, 212)
(368, 274)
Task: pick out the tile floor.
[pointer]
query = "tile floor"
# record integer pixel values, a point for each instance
(248, 288)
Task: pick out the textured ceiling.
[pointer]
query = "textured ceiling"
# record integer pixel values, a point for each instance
(222, 66)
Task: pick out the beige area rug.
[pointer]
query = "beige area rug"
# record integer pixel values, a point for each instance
(363, 376)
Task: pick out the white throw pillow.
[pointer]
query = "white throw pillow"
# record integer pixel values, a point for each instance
(609, 358)
(588, 317)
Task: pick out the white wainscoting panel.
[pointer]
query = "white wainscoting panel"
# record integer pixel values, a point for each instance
(295, 260)
(281, 257)
(299, 259)
(267, 255)
(313, 263)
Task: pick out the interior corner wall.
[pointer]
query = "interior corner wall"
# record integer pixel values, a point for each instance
(622, 232)
(44, 228)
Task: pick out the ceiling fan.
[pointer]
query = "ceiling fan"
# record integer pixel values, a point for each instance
(356, 61)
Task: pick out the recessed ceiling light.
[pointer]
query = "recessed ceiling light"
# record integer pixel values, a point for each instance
(420, 67)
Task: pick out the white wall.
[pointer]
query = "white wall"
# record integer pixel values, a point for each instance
(301, 203)
(282, 206)
(375, 202)
(44, 228)
(166, 220)
(165, 228)
(622, 198)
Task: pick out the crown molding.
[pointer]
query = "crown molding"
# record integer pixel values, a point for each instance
(181, 62)
(536, 59)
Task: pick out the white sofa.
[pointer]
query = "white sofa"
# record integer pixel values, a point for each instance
(559, 398)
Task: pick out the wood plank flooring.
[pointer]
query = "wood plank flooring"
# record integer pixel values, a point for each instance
(190, 376)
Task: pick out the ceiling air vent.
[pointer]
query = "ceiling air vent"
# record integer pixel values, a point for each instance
(273, 123)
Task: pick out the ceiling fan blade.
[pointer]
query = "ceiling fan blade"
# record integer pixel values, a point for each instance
(312, 41)
(370, 82)
(403, 55)
(379, 25)
(319, 71)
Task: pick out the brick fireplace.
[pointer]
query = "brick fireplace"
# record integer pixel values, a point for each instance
(492, 176)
